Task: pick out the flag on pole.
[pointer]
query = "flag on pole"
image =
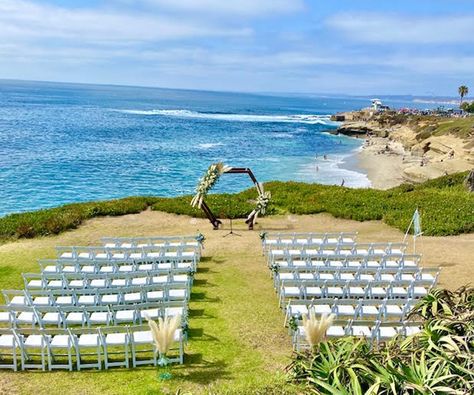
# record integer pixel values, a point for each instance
(417, 224)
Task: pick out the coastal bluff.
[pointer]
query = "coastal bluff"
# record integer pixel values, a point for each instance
(409, 147)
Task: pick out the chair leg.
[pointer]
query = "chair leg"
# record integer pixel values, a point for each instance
(69, 355)
(99, 362)
(15, 361)
(106, 358)
(127, 362)
(50, 359)
(134, 356)
(78, 358)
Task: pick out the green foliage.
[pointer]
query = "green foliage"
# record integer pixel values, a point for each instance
(70, 216)
(468, 107)
(438, 360)
(426, 126)
(446, 207)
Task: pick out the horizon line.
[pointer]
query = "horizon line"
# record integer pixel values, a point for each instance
(257, 93)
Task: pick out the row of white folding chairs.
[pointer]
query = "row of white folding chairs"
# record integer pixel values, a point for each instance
(96, 281)
(84, 266)
(379, 309)
(354, 261)
(270, 239)
(104, 347)
(374, 331)
(137, 254)
(156, 241)
(67, 316)
(370, 274)
(352, 289)
(107, 296)
(336, 249)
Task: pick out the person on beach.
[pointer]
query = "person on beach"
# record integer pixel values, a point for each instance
(343, 182)
(325, 157)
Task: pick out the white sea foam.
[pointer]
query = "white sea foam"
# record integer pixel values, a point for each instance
(282, 135)
(330, 172)
(209, 145)
(290, 118)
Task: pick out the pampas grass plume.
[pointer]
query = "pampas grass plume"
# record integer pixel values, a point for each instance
(315, 329)
(163, 331)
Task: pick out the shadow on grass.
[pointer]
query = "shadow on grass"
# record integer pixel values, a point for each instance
(203, 283)
(200, 371)
(219, 261)
(196, 312)
(198, 334)
(200, 314)
(201, 297)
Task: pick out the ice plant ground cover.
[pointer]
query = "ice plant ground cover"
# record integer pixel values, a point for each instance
(395, 207)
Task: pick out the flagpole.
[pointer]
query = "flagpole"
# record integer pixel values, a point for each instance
(408, 230)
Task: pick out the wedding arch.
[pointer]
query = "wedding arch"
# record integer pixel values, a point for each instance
(209, 180)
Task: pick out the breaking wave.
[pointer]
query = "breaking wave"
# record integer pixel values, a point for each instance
(292, 118)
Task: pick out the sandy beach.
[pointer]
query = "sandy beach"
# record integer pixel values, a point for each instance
(397, 153)
(388, 163)
(384, 168)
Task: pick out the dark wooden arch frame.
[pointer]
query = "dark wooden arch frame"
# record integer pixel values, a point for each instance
(210, 215)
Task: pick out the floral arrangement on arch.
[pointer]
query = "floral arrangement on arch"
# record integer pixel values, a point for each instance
(210, 179)
(207, 182)
(262, 204)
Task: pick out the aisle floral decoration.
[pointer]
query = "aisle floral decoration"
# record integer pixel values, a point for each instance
(163, 333)
(315, 330)
(207, 182)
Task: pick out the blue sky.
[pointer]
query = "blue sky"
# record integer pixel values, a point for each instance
(321, 46)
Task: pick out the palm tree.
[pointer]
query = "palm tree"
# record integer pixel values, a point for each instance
(463, 91)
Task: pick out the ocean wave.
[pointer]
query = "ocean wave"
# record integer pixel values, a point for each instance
(290, 118)
(332, 171)
(209, 145)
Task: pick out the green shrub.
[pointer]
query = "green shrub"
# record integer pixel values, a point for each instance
(70, 216)
(446, 207)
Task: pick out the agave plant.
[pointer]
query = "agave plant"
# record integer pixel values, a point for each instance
(438, 360)
(428, 376)
(438, 301)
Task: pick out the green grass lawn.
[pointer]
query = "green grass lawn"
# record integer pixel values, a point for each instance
(237, 343)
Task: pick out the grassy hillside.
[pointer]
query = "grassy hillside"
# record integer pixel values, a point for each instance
(427, 126)
(446, 207)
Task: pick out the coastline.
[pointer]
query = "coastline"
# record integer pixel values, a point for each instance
(398, 153)
(383, 169)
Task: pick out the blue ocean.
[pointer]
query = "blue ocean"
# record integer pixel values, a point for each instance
(62, 143)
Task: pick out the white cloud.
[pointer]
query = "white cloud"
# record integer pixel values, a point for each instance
(24, 19)
(396, 28)
(232, 8)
